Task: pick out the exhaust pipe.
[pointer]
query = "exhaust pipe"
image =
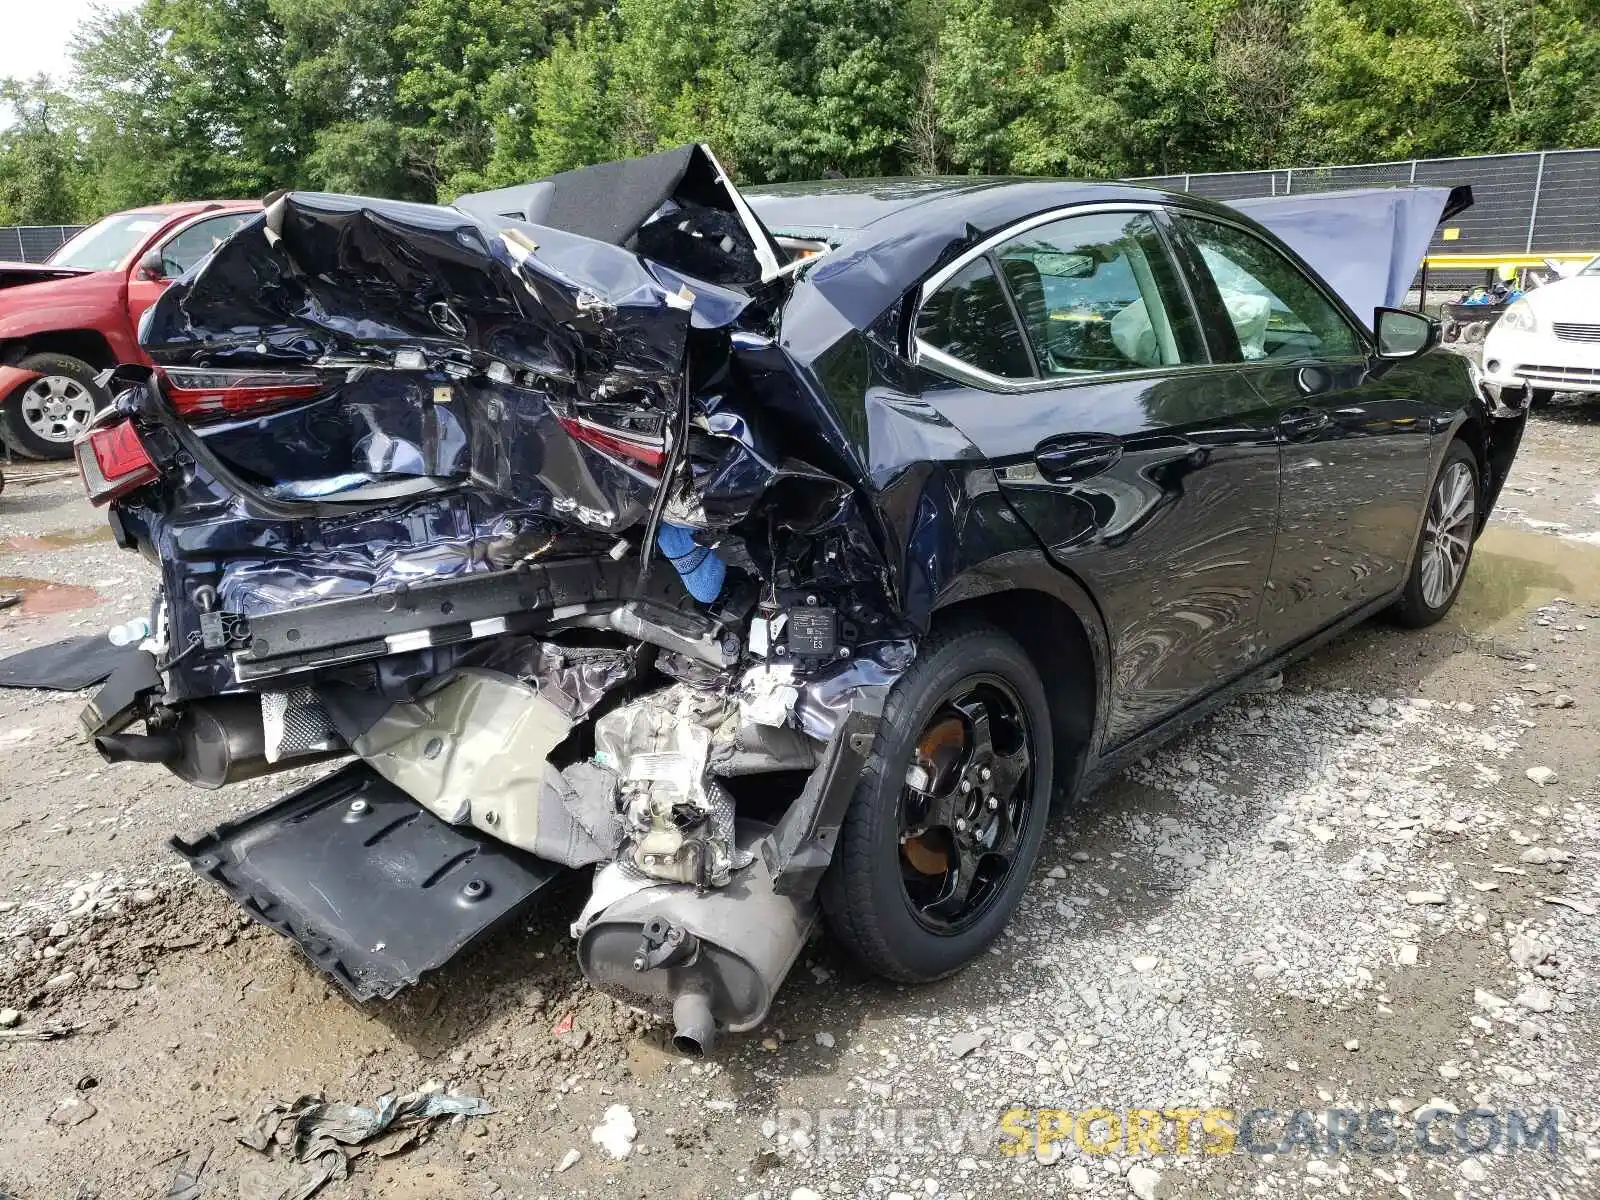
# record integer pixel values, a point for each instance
(694, 1029)
(217, 741)
(136, 747)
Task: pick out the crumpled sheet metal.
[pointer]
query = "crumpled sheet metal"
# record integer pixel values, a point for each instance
(475, 749)
(573, 678)
(266, 568)
(324, 1136)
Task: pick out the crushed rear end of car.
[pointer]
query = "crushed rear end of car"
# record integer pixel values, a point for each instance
(521, 506)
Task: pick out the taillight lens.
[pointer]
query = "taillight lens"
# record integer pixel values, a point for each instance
(640, 448)
(199, 393)
(113, 462)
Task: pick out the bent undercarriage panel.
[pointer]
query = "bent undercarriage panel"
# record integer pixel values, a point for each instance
(375, 890)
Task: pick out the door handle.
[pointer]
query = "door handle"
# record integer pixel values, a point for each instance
(1302, 422)
(1078, 458)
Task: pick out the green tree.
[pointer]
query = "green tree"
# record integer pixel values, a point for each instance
(1396, 79)
(819, 85)
(464, 59)
(987, 74)
(343, 65)
(1138, 91)
(40, 175)
(1555, 100)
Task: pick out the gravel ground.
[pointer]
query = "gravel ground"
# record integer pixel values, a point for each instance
(1347, 894)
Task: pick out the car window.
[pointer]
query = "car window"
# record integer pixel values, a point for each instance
(106, 243)
(1275, 309)
(970, 319)
(1099, 293)
(200, 239)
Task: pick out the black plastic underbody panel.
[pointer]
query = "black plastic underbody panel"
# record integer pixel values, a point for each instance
(373, 888)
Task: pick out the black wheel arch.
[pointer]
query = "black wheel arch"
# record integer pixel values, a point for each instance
(1056, 621)
(86, 345)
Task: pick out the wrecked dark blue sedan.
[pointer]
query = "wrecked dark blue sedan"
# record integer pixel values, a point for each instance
(764, 555)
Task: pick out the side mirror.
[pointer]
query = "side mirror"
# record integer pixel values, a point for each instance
(1403, 333)
(151, 267)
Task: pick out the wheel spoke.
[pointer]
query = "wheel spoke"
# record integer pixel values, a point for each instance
(980, 743)
(952, 899)
(930, 810)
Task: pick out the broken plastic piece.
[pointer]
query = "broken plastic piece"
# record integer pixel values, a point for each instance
(699, 567)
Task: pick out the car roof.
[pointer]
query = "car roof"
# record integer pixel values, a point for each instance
(839, 207)
(186, 208)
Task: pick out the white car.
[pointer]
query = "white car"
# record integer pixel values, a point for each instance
(1549, 340)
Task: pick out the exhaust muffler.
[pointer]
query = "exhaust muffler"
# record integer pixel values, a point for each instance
(216, 741)
(710, 960)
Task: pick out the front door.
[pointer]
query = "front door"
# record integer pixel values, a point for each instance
(1070, 354)
(179, 252)
(1354, 446)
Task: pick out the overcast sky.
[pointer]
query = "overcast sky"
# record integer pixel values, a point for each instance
(34, 33)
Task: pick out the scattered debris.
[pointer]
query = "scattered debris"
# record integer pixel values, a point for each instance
(1541, 775)
(1577, 906)
(569, 1160)
(40, 1033)
(74, 1110)
(965, 1042)
(185, 1183)
(325, 1137)
(616, 1131)
(1427, 898)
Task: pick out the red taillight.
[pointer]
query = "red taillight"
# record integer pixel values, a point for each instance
(113, 462)
(199, 393)
(640, 448)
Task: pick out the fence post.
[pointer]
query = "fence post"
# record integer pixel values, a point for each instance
(1186, 183)
(1533, 213)
(1288, 182)
(1413, 170)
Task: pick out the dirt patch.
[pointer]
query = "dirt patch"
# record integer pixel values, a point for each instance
(43, 597)
(28, 543)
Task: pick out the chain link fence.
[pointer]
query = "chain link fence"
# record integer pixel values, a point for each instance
(1540, 203)
(32, 243)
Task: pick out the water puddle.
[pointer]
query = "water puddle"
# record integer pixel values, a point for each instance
(56, 541)
(1514, 570)
(41, 597)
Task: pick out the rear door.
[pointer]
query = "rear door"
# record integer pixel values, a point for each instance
(1068, 350)
(1354, 444)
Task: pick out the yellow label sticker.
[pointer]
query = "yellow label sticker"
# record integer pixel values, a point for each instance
(442, 395)
(1452, 234)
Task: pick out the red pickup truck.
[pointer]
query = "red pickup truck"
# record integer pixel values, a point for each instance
(66, 319)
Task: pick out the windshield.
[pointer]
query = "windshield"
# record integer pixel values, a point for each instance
(108, 243)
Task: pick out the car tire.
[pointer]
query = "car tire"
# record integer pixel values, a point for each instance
(40, 418)
(905, 922)
(1444, 546)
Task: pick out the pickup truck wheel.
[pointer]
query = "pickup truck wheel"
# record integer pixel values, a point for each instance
(39, 419)
(946, 822)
